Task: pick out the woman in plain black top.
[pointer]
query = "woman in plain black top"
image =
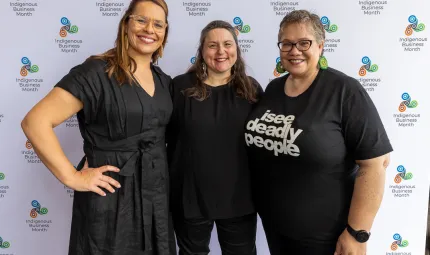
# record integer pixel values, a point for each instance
(210, 179)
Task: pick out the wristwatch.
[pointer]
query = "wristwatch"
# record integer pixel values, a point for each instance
(360, 235)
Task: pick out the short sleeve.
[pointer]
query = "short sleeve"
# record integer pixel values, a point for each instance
(363, 130)
(82, 83)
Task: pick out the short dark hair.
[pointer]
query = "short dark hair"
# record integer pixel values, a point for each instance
(303, 16)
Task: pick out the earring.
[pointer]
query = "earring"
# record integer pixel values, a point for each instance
(279, 67)
(204, 69)
(322, 62)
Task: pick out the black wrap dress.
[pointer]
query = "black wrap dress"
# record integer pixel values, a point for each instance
(122, 126)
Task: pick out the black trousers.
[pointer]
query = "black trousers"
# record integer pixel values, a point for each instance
(282, 245)
(236, 236)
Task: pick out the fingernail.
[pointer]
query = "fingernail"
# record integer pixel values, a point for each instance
(119, 186)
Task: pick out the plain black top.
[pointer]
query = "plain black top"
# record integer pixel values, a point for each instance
(123, 126)
(303, 151)
(207, 155)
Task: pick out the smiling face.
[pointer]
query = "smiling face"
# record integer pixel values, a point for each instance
(219, 51)
(300, 63)
(146, 28)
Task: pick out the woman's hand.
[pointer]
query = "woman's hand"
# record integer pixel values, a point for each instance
(93, 179)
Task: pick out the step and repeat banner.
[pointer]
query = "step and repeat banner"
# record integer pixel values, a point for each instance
(383, 44)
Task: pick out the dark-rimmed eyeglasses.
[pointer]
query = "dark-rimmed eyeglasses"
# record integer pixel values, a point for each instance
(302, 45)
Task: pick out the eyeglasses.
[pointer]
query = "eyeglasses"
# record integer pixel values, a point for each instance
(143, 21)
(302, 45)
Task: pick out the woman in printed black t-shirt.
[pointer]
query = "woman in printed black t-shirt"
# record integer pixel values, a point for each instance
(318, 150)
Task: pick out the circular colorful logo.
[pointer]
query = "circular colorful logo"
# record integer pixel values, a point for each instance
(367, 67)
(240, 27)
(27, 67)
(67, 27)
(407, 102)
(37, 209)
(330, 28)
(398, 242)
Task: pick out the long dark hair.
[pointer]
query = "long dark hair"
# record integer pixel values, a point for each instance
(120, 64)
(242, 83)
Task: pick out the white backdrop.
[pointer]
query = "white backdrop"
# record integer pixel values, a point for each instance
(35, 209)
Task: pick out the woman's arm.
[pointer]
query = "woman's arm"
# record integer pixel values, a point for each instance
(38, 125)
(368, 192)
(365, 203)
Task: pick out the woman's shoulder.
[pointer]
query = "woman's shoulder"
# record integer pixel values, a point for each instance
(254, 82)
(275, 85)
(90, 67)
(160, 71)
(257, 86)
(185, 80)
(336, 78)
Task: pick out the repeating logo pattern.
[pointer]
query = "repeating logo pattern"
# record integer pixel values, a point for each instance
(402, 175)
(27, 67)
(367, 66)
(240, 27)
(2, 176)
(193, 60)
(37, 209)
(4, 244)
(398, 242)
(330, 28)
(67, 27)
(407, 102)
(414, 26)
(279, 70)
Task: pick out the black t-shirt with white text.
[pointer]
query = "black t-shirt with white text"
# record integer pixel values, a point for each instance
(303, 150)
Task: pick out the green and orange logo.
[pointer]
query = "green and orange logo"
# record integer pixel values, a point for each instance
(414, 26)
(367, 66)
(402, 175)
(67, 27)
(27, 67)
(407, 102)
(398, 242)
(37, 209)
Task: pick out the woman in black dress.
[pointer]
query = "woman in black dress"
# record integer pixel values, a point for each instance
(123, 105)
(207, 155)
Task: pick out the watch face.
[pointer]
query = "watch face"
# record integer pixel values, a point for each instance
(362, 236)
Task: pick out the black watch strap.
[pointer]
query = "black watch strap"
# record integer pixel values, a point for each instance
(360, 235)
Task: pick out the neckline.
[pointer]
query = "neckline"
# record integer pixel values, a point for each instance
(308, 90)
(216, 87)
(155, 83)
